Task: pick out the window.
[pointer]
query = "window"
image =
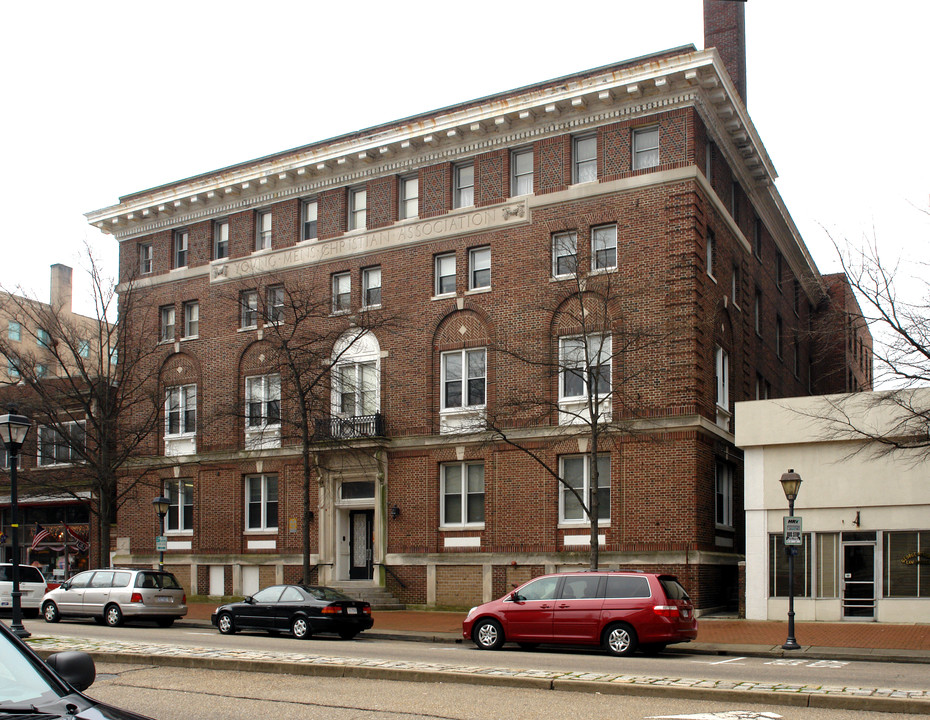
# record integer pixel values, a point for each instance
(722, 372)
(14, 331)
(828, 564)
(445, 274)
(5, 459)
(734, 285)
(645, 148)
(462, 494)
(778, 336)
(796, 355)
(274, 304)
(797, 297)
(248, 309)
(723, 494)
(584, 159)
(583, 367)
(757, 312)
(521, 172)
(709, 154)
(191, 319)
(145, 258)
(604, 247)
(180, 516)
(261, 502)
(757, 238)
(61, 446)
(342, 292)
(181, 410)
(907, 564)
(409, 197)
(263, 401)
(709, 252)
(220, 239)
(42, 370)
(83, 348)
(779, 270)
(12, 367)
(479, 268)
(263, 230)
(371, 287)
(564, 254)
(181, 238)
(43, 339)
(464, 187)
(166, 328)
(308, 213)
(463, 379)
(576, 472)
(778, 567)
(355, 389)
(358, 209)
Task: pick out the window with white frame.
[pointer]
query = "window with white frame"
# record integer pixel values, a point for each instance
(355, 389)
(61, 445)
(521, 172)
(83, 349)
(907, 556)
(191, 319)
(274, 304)
(166, 325)
(248, 309)
(13, 331)
(722, 375)
(262, 401)
(308, 212)
(575, 471)
(604, 247)
(463, 194)
(409, 197)
(710, 251)
(564, 254)
(464, 376)
(371, 287)
(181, 239)
(358, 209)
(342, 292)
(220, 239)
(145, 258)
(181, 410)
(180, 515)
(462, 488)
(645, 148)
(12, 367)
(5, 459)
(43, 339)
(479, 268)
(261, 497)
(263, 230)
(585, 366)
(723, 494)
(445, 274)
(584, 159)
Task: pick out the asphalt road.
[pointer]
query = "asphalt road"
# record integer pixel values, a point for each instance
(675, 662)
(167, 693)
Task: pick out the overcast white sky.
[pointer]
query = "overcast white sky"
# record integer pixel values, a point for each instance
(102, 99)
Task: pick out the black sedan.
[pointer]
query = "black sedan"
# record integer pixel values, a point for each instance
(302, 610)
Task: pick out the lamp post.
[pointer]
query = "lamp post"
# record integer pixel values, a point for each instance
(791, 484)
(161, 505)
(13, 429)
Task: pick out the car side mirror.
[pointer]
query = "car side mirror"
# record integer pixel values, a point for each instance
(66, 585)
(514, 596)
(248, 599)
(77, 668)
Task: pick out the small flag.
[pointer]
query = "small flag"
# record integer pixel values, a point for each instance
(79, 539)
(40, 534)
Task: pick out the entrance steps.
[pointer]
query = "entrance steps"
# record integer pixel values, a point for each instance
(380, 598)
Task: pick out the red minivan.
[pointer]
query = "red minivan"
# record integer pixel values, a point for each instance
(619, 610)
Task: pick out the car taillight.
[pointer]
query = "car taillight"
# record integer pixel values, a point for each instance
(367, 609)
(669, 611)
(135, 598)
(331, 610)
(184, 598)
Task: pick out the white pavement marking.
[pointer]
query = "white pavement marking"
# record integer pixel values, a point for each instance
(731, 660)
(727, 715)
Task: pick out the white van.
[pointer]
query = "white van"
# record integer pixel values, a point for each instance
(31, 585)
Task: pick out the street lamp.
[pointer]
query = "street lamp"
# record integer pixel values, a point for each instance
(13, 429)
(791, 484)
(161, 505)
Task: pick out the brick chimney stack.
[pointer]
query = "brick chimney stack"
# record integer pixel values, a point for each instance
(725, 29)
(60, 290)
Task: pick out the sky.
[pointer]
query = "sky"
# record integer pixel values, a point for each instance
(103, 99)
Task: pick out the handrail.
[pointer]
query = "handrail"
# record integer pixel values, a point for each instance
(392, 574)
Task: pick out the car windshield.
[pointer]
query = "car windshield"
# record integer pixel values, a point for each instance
(326, 593)
(21, 683)
(165, 581)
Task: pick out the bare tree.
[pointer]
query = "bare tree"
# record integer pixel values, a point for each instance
(82, 380)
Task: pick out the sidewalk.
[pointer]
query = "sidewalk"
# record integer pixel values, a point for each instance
(723, 636)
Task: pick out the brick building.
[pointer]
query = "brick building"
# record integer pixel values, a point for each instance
(465, 230)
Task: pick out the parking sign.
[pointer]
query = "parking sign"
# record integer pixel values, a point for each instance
(792, 530)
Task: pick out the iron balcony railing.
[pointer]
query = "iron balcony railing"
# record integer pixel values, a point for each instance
(350, 428)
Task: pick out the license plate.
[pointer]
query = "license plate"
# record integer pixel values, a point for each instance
(352, 611)
(686, 613)
(164, 599)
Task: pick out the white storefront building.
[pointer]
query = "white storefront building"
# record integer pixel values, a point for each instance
(865, 511)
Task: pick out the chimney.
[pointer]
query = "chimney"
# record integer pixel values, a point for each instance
(725, 29)
(60, 291)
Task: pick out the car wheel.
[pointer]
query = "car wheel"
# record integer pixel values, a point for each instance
(50, 612)
(652, 648)
(528, 646)
(300, 628)
(165, 622)
(348, 634)
(488, 634)
(113, 615)
(225, 624)
(619, 639)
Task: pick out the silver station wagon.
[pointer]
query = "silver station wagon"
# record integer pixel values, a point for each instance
(116, 594)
